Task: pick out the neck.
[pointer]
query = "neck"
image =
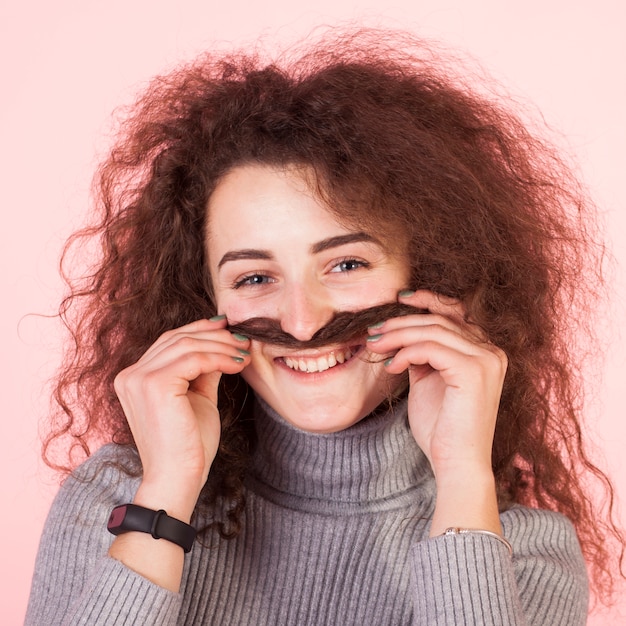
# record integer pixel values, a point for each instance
(371, 465)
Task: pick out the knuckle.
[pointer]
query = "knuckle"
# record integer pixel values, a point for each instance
(150, 380)
(496, 360)
(168, 334)
(186, 343)
(119, 382)
(122, 378)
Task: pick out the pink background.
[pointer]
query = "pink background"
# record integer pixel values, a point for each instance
(67, 64)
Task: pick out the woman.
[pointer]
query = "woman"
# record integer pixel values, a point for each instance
(328, 331)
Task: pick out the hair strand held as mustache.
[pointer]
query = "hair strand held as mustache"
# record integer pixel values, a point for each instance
(343, 327)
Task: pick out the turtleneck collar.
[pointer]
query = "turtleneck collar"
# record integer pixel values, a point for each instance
(373, 465)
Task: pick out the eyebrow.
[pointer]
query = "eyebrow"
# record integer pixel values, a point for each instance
(341, 240)
(316, 248)
(248, 253)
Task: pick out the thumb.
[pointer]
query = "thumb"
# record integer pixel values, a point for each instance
(206, 385)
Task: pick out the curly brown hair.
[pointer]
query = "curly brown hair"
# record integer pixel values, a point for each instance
(397, 141)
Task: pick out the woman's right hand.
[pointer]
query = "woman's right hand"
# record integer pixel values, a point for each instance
(169, 398)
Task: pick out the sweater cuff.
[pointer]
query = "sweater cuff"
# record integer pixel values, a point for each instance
(116, 594)
(464, 579)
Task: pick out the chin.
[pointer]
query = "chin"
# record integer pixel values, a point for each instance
(325, 401)
(322, 425)
(322, 417)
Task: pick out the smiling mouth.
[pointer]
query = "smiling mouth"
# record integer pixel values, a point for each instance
(310, 365)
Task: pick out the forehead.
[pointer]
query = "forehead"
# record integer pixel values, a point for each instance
(277, 207)
(258, 202)
(258, 189)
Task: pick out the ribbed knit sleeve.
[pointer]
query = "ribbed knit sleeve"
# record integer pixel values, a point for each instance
(74, 581)
(471, 578)
(335, 533)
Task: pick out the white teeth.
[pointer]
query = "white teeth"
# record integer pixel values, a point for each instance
(318, 364)
(324, 363)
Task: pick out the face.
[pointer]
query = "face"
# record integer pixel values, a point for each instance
(275, 251)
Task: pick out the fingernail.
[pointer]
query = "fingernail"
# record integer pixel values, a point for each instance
(239, 337)
(406, 293)
(376, 325)
(373, 338)
(242, 351)
(217, 318)
(237, 359)
(388, 361)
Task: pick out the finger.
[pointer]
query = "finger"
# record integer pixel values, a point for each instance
(448, 307)
(456, 366)
(199, 326)
(434, 302)
(421, 319)
(218, 341)
(190, 365)
(173, 372)
(425, 353)
(206, 384)
(429, 321)
(445, 334)
(438, 347)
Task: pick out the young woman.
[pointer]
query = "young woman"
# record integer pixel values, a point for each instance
(329, 332)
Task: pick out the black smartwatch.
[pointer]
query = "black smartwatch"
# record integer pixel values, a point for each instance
(132, 517)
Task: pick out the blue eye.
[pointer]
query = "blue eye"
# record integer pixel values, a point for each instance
(349, 265)
(252, 280)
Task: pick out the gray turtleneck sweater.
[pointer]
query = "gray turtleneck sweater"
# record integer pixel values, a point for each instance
(335, 532)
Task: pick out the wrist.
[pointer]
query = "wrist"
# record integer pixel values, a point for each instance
(479, 531)
(179, 503)
(127, 518)
(457, 477)
(466, 500)
(462, 469)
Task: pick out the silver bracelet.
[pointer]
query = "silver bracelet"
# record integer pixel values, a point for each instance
(467, 531)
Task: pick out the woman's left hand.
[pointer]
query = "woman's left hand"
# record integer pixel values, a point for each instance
(455, 378)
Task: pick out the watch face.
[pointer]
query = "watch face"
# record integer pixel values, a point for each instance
(117, 517)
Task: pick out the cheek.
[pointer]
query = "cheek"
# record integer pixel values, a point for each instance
(259, 372)
(383, 290)
(238, 310)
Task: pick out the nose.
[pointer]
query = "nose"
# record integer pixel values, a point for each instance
(304, 310)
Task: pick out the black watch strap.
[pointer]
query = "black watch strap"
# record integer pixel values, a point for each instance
(132, 517)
